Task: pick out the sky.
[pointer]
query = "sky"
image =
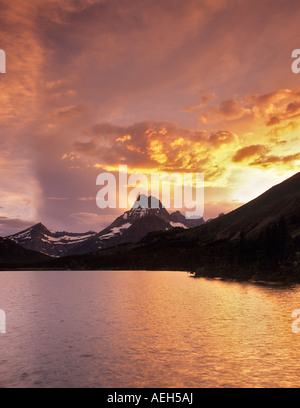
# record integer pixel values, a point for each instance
(186, 86)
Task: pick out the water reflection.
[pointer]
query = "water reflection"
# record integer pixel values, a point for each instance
(145, 329)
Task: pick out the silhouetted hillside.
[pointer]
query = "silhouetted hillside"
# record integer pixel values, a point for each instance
(13, 255)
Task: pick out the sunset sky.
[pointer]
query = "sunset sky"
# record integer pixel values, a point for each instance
(200, 86)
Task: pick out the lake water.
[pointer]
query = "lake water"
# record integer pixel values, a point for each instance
(145, 329)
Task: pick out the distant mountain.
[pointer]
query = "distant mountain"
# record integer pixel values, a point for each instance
(260, 240)
(132, 226)
(14, 254)
(39, 238)
(135, 224)
(178, 220)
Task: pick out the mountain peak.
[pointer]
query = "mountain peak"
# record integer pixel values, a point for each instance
(150, 202)
(177, 218)
(39, 226)
(145, 206)
(147, 215)
(39, 238)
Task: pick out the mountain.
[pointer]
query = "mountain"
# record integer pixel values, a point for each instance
(132, 226)
(179, 220)
(135, 224)
(39, 238)
(282, 200)
(14, 254)
(260, 240)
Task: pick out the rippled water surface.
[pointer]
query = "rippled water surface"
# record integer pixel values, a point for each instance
(145, 329)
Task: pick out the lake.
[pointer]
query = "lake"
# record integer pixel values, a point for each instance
(145, 329)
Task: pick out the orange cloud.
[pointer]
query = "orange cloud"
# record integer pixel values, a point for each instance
(162, 146)
(248, 152)
(287, 162)
(124, 138)
(222, 138)
(268, 109)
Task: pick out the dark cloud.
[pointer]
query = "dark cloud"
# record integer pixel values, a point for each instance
(231, 108)
(10, 226)
(248, 152)
(221, 138)
(274, 120)
(293, 107)
(271, 160)
(69, 112)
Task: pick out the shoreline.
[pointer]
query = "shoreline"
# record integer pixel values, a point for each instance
(282, 281)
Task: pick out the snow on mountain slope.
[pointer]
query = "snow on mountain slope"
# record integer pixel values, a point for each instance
(39, 238)
(132, 226)
(135, 224)
(178, 225)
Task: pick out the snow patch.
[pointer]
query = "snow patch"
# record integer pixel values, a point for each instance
(69, 239)
(178, 225)
(116, 231)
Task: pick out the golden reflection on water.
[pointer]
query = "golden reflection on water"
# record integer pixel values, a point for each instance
(146, 329)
